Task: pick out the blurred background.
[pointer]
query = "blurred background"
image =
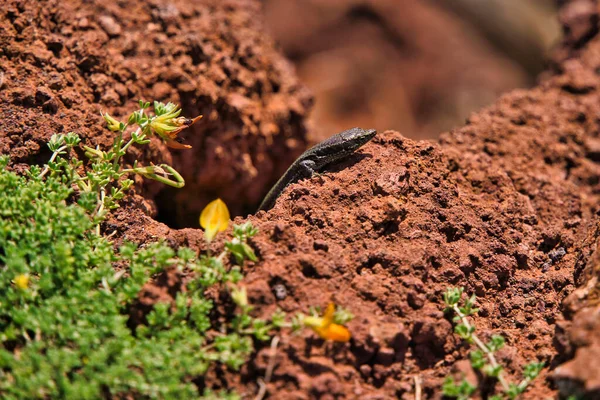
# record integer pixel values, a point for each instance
(416, 66)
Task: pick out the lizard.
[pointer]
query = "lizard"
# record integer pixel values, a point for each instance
(332, 149)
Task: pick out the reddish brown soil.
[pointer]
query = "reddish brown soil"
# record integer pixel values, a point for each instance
(492, 207)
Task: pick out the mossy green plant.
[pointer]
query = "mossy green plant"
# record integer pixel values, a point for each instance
(64, 307)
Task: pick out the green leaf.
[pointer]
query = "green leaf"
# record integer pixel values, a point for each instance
(261, 329)
(492, 371)
(496, 343)
(4, 160)
(514, 391)
(462, 390)
(72, 139)
(532, 370)
(464, 332)
(468, 307)
(88, 201)
(278, 319)
(452, 296)
(478, 359)
(342, 316)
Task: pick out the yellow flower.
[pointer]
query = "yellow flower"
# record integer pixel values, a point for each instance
(214, 218)
(21, 281)
(326, 328)
(168, 125)
(112, 123)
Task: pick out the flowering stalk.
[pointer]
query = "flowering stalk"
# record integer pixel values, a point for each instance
(104, 184)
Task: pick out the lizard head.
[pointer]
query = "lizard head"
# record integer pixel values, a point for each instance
(341, 145)
(357, 136)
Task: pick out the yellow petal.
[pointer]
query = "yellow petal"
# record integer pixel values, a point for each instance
(328, 315)
(173, 144)
(194, 120)
(164, 130)
(21, 281)
(214, 218)
(335, 332)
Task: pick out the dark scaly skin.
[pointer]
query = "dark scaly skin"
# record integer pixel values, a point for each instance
(337, 147)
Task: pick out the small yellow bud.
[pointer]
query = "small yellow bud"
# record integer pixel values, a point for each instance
(132, 118)
(214, 218)
(112, 123)
(21, 281)
(239, 295)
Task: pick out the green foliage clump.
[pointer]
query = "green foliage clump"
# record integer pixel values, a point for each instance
(66, 292)
(482, 359)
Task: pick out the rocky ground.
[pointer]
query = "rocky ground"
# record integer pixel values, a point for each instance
(505, 206)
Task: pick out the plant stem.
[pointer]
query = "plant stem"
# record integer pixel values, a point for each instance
(523, 384)
(131, 141)
(100, 207)
(417, 379)
(54, 155)
(482, 346)
(262, 383)
(166, 170)
(117, 150)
